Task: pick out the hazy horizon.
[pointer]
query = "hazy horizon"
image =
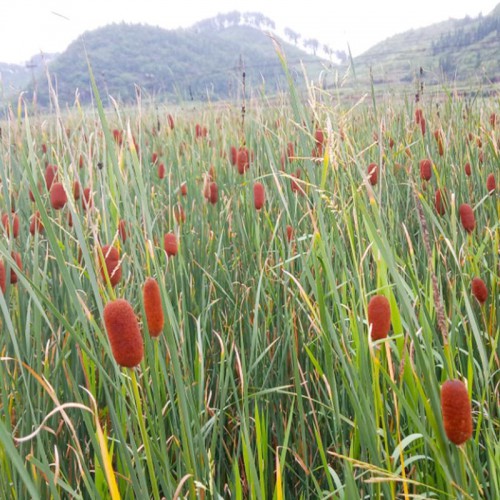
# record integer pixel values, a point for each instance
(29, 27)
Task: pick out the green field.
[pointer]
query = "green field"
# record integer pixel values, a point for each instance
(264, 381)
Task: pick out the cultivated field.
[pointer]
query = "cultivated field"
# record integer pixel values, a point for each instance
(315, 287)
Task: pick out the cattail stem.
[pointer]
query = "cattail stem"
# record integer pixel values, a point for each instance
(144, 435)
(441, 317)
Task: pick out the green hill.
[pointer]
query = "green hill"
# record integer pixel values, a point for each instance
(203, 62)
(457, 49)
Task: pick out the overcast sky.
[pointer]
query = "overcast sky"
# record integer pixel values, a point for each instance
(30, 26)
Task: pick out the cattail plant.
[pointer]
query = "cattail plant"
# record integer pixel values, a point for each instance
(170, 244)
(379, 317)
(319, 139)
(467, 217)
(259, 195)
(87, 198)
(233, 156)
(468, 170)
(418, 116)
(123, 332)
(7, 220)
(179, 214)
(161, 171)
(118, 136)
(456, 410)
(36, 225)
(153, 307)
(491, 184)
(439, 139)
(425, 169)
(170, 121)
(16, 256)
(373, 174)
(289, 233)
(50, 175)
(58, 197)
(213, 193)
(422, 125)
(122, 230)
(111, 265)
(479, 290)
(242, 160)
(440, 202)
(184, 189)
(3, 277)
(76, 190)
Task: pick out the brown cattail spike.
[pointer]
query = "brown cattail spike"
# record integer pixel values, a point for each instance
(479, 290)
(259, 195)
(373, 174)
(425, 169)
(2, 277)
(152, 307)
(467, 217)
(58, 196)
(491, 183)
(112, 263)
(456, 411)
(379, 317)
(170, 244)
(123, 333)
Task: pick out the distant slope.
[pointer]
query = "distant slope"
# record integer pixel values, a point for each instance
(13, 79)
(458, 49)
(190, 63)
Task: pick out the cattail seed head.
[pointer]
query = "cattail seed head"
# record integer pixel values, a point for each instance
(171, 245)
(418, 116)
(259, 195)
(373, 174)
(50, 175)
(456, 410)
(6, 221)
(467, 217)
(213, 193)
(233, 155)
(36, 225)
(118, 136)
(3, 277)
(170, 120)
(425, 169)
(87, 198)
(13, 275)
(179, 214)
(467, 169)
(184, 189)
(379, 317)
(289, 233)
(422, 125)
(76, 190)
(112, 263)
(479, 290)
(161, 170)
(440, 202)
(153, 307)
(123, 333)
(491, 184)
(242, 160)
(58, 196)
(122, 230)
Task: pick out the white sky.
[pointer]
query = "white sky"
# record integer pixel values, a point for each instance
(30, 26)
